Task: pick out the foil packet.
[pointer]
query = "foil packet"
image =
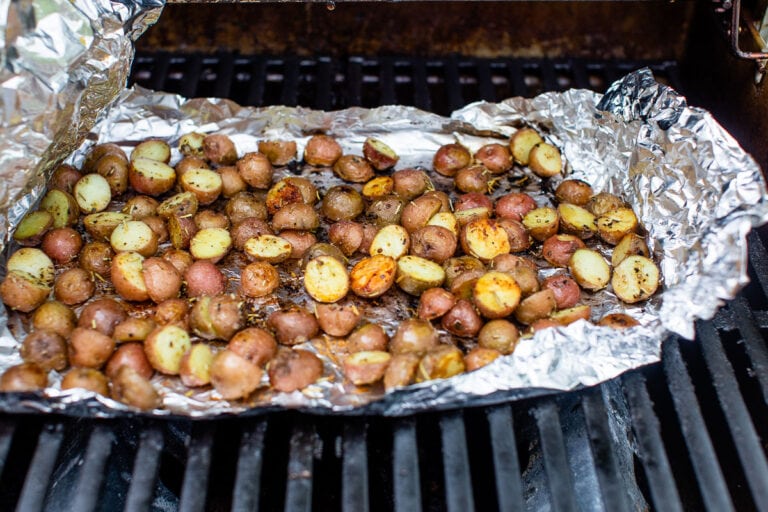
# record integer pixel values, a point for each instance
(696, 192)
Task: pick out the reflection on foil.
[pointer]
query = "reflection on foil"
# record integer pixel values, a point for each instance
(695, 190)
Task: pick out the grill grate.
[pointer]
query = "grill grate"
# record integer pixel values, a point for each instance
(683, 435)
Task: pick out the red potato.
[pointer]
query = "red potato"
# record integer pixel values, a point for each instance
(279, 152)
(368, 337)
(62, 207)
(206, 219)
(300, 242)
(102, 315)
(204, 183)
(618, 321)
(385, 210)
(127, 276)
(158, 226)
(326, 279)
(293, 369)
(372, 277)
(347, 235)
(180, 231)
(244, 205)
(132, 389)
(463, 285)
(353, 168)
(450, 158)
(414, 335)
(161, 278)
(462, 319)
(471, 201)
(293, 326)
(364, 368)
(24, 377)
(195, 366)
(97, 257)
(544, 160)
(495, 157)
(496, 294)
(434, 303)
(259, 279)
(115, 170)
(441, 362)
(255, 345)
(574, 191)
(571, 315)
(210, 244)
(307, 189)
(97, 151)
(522, 142)
(141, 206)
(248, 228)
(153, 149)
(74, 286)
(485, 239)
(190, 162)
(133, 329)
(217, 317)
(256, 170)
(89, 348)
(129, 354)
(62, 245)
(299, 216)
(474, 178)
(378, 187)
(151, 177)
(542, 222)
(417, 212)
(53, 316)
(410, 183)
(183, 204)
(322, 151)
(401, 370)
(519, 237)
(92, 193)
(173, 312)
(233, 376)
(180, 259)
(219, 149)
(536, 306)
(379, 154)
(434, 243)
(337, 319)
(134, 236)
(566, 291)
(204, 278)
(558, 249)
(64, 178)
(32, 228)
(342, 203)
(501, 335)
(514, 205)
(479, 357)
(86, 378)
(231, 181)
(281, 194)
(46, 349)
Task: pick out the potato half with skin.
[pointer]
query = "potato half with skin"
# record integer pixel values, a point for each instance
(353, 168)
(248, 228)
(479, 357)
(218, 317)
(347, 235)
(558, 249)
(401, 370)
(98, 151)
(441, 362)
(379, 154)
(519, 238)
(414, 335)
(484, 239)
(495, 157)
(182, 204)
(365, 368)
(191, 144)
(566, 290)
(24, 377)
(300, 242)
(630, 245)
(127, 276)
(538, 305)
(464, 284)
(130, 388)
(92, 193)
(129, 354)
(180, 259)
(500, 335)
(165, 347)
(372, 277)
(231, 181)
(46, 349)
(55, 317)
(514, 205)
(233, 376)
(636, 278)
(172, 311)
(204, 278)
(256, 170)
(279, 152)
(496, 294)
(410, 183)
(161, 278)
(32, 227)
(449, 158)
(342, 203)
(337, 319)
(65, 176)
(134, 236)
(368, 337)
(618, 321)
(89, 348)
(89, 379)
(204, 183)
(445, 220)
(415, 274)
(259, 279)
(616, 224)
(574, 192)
(245, 205)
(392, 241)
(62, 245)
(522, 142)
(210, 244)
(133, 329)
(570, 315)
(152, 149)
(101, 225)
(542, 222)
(545, 160)
(604, 202)
(576, 220)
(293, 369)
(326, 279)
(474, 178)
(462, 320)
(33, 264)
(256, 345)
(97, 257)
(22, 294)
(115, 170)
(322, 151)
(385, 210)
(74, 286)
(417, 212)
(281, 194)
(298, 216)
(434, 303)
(62, 206)
(103, 315)
(377, 187)
(151, 177)
(269, 248)
(195, 366)
(219, 149)
(293, 326)
(589, 269)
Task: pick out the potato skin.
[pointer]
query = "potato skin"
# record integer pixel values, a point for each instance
(244, 205)
(132, 389)
(179, 258)
(410, 183)
(347, 235)
(21, 294)
(434, 303)
(450, 158)
(293, 326)
(162, 279)
(322, 151)
(219, 149)
(441, 362)
(89, 348)
(353, 168)
(495, 157)
(46, 349)
(292, 370)
(141, 206)
(103, 315)
(413, 335)
(536, 306)
(558, 249)
(297, 216)
(74, 286)
(514, 205)
(129, 354)
(89, 379)
(133, 329)
(195, 365)
(500, 335)
(401, 370)
(256, 170)
(364, 368)
(204, 278)
(248, 228)
(462, 319)
(434, 243)
(566, 291)
(574, 191)
(474, 178)
(64, 178)
(604, 202)
(173, 312)
(255, 345)
(337, 319)
(517, 234)
(23, 377)
(479, 357)
(368, 337)
(418, 211)
(62, 245)
(300, 242)
(342, 203)
(618, 321)
(279, 152)
(218, 317)
(55, 317)
(259, 279)
(231, 181)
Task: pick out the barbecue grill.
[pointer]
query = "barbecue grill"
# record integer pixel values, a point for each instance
(685, 434)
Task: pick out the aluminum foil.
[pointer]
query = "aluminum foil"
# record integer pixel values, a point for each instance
(695, 190)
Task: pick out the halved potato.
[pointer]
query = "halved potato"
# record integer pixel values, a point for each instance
(32, 227)
(234, 376)
(631, 244)
(479, 357)
(401, 370)
(604, 202)
(204, 183)
(618, 321)
(326, 279)
(279, 152)
(485, 239)
(589, 269)
(570, 315)
(182, 204)
(368, 367)
(522, 142)
(441, 362)
(377, 187)
(538, 305)
(33, 264)
(379, 154)
(576, 220)
(195, 365)
(165, 347)
(372, 277)
(152, 149)
(115, 171)
(544, 160)
(135, 236)
(151, 177)
(445, 220)
(464, 217)
(127, 276)
(181, 230)
(191, 144)
(616, 224)
(415, 274)
(219, 149)
(391, 240)
(635, 279)
(97, 152)
(210, 244)
(542, 222)
(496, 294)
(270, 248)
(282, 193)
(20, 293)
(101, 225)
(62, 206)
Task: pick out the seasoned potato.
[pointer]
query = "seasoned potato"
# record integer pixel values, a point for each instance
(98, 151)
(210, 244)
(248, 228)
(282, 193)
(139, 207)
(307, 189)
(479, 357)
(86, 378)
(191, 144)
(463, 285)
(22, 294)
(97, 257)
(474, 178)
(589, 269)
(462, 319)
(377, 187)
(326, 279)
(161, 278)
(293, 326)
(558, 249)
(618, 321)
(401, 370)
(604, 202)
(616, 224)
(204, 278)
(151, 177)
(195, 366)
(130, 388)
(183, 204)
(53, 316)
(538, 305)
(62, 245)
(364, 368)
(570, 315)
(127, 276)
(574, 192)
(636, 278)
(101, 225)
(456, 266)
(369, 233)
(293, 369)
(566, 291)
(450, 158)
(496, 158)
(522, 142)
(259, 279)
(342, 203)
(89, 348)
(115, 170)
(157, 225)
(62, 206)
(413, 335)
(415, 274)
(514, 205)
(337, 319)
(190, 162)
(256, 170)
(255, 345)
(32, 228)
(410, 183)
(65, 176)
(233, 376)
(219, 149)
(353, 168)
(322, 249)
(133, 329)
(134, 236)
(471, 201)
(509, 262)
(385, 210)
(205, 184)
(218, 317)
(445, 220)
(372, 277)
(74, 286)
(542, 222)
(173, 312)
(92, 193)
(466, 215)
(129, 354)
(434, 303)
(269, 248)
(300, 242)
(231, 181)
(180, 259)
(24, 377)
(441, 362)
(496, 294)
(205, 219)
(576, 220)
(379, 154)
(32, 263)
(46, 349)
(417, 212)
(103, 315)
(517, 234)
(245, 205)
(630, 245)
(347, 235)
(279, 152)
(392, 241)
(322, 151)
(500, 335)
(545, 160)
(368, 337)
(484, 239)
(152, 149)
(298, 216)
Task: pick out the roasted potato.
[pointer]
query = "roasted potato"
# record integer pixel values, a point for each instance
(463, 285)
(322, 151)
(279, 152)
(62, 207)
(462, 319)
(558, 249)
(630, 245)
(298, 216)
(181, 230)
(475, 178)
(434, 303)
(538, 305)
(401, 370)
(180, 259)
(456, 266)
(294, 369)
(92, 193)
(248, 228)
(413, 335)
(616, 224)
(130, 388)
(205, 184)
(566, 291)
(342, 203)
(161, 278)
(53, 316)
(97, 257)
(326, 279)
(255, 345)
(364, 368)
(618, 321)
(514, 205)
(89, 379)
(570, 315)
(473, 201)
(183, 204)
(127, 276)
(259, 279)
(379, 154)
(190, 162)
(484, 239)
(191, 144)
(151, 177)
(129, 354)
(415, 274)
(544, 160)
(97, 151)
(372, 277)
(115, 170)
(46, 349)
(217, 317)
(445, 220)
(210, 244)
(385, 210)
(517, 234)
(347, 235)
(195, 366)
(28, 282)
(233, 376)
(337, 319)
(410, 183)
(542, 222)
(62, 245)
(219, 149)
(500, 335)
(102, 315)
(173, 312)
(74, 286)
(245, 205)
(496, 294)
(133, 329)
(574, 192)
(307, 189)
(205, 219)
(496, 158)
(392, 240)
(269, 248)
(368, 337)
(293, 326)
(139, 207)
(89, 348)
(300, 242)
(24, 377)
(576, 220)
(521, 144)
(479, 357)
(441, 362)
(256, 170)
(204, 278)
(636, 278)
(152, 149)
(377, 187)
(353, 168)
(281, 194)
(32, 228)
(450, 158)
(65, 176)
(231, 181)
(417, 212)
(134, 236)
(589, 269)
(604, 202)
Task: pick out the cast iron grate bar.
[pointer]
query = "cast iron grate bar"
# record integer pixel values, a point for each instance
(92, 473)
(145, 469)
(197, 470)
(298, 492)
(509, 489)
(354, 471)
(555, 459)
(736, 414)
(41, 467)
(603, 449)
(7, 429)
(458, 482)
(405, 467)
(245, 494)
(700, 449)
(650, 446)
(754, 345)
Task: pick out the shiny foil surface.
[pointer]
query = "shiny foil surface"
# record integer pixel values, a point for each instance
(696, 192)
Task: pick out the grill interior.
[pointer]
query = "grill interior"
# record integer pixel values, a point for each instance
(686, 434)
